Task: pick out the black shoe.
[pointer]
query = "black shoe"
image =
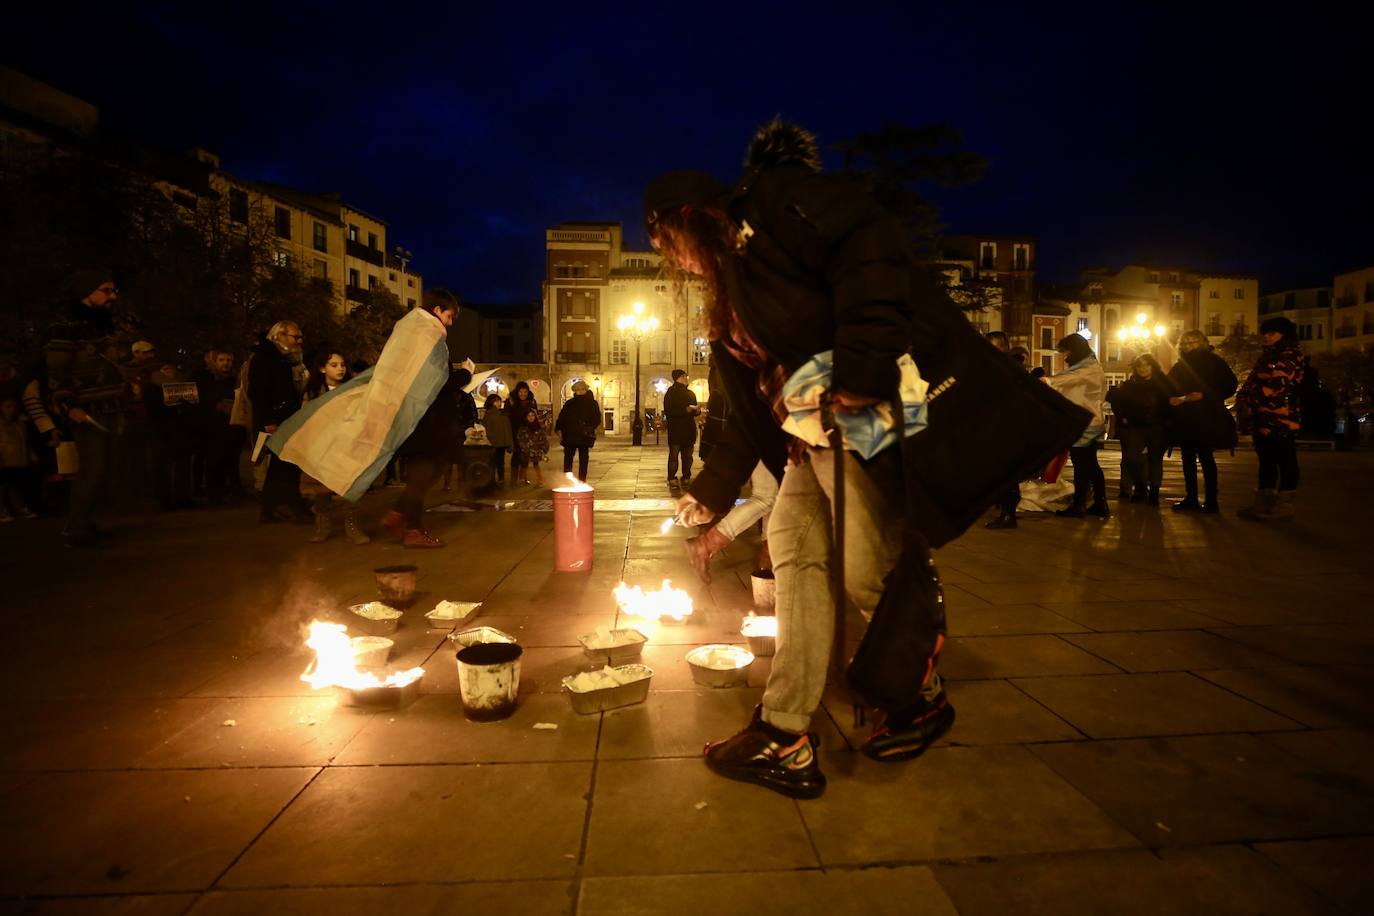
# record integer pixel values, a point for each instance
(753, 756)
(1188, 504)
(1138, 496)
(1209, 508)
(1153, 499)
(1123, 495)
(1002, 521)
(686, 479)
(1101, 510)
(902, 736)
(1070, 512)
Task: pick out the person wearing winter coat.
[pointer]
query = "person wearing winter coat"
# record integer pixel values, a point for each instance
(517, 407)
(805, 275)
(1198, 421)
(276, 375)
(1084, 383)
(328, 370)
(680, 416)
(1272, 393)
(1141, 404)
(499, 434)
(576, 425)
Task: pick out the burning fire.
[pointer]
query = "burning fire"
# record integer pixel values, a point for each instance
(667, 602)
(334, 662)
(759, 626)
(574, 485)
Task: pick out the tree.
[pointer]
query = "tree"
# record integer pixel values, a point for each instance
(895, 161)
(1240, 351)
(369, 324)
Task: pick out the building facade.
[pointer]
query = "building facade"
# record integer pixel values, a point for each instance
(1309, 309)
(1353, 309)
(1003, 263)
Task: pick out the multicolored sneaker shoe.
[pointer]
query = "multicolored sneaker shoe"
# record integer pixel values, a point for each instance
(907, 735)
(753, 756)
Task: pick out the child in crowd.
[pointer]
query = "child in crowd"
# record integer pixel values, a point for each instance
(533, 441)
(18, 463)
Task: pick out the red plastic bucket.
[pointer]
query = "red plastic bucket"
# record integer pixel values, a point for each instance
(572, 530)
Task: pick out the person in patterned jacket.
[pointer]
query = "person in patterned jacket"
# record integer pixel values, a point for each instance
(1271, 393)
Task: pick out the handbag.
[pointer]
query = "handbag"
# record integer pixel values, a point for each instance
(1055, 467)
(68, 459)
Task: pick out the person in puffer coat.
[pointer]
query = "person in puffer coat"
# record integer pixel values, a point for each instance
(1140, 404)
(1272, 394)
(1198, 422)
(1084, 383)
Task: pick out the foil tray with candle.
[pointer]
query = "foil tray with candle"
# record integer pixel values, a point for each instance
(336, 665)
(720, 665)
(449, 614)
(479, 635)
(375, 618)
(612, 647)
(761, 633)
(608, 688)
(371, 651)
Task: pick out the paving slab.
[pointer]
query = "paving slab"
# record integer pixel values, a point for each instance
(1321, 697)
(526, 898)
(1221, 881)
(130, 905)
(1337, 869)
(1010, 620)
(1346, 755)
(434, 729)
(257, 732)
(1170, 650)
(1208, 789)
(1108, 616)
(648, 818)
(1323, 644)
(384, 825)
(135, 832)
(952, 803)
(878, 892)
(983, 657)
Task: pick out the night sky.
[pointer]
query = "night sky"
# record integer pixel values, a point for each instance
(1228, 141)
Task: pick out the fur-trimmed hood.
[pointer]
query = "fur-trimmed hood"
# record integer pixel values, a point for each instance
(781, 143)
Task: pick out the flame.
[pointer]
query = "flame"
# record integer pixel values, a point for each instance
(574, 485)
(334, 662)
(668, 523)
(759, 626)
(666, 602)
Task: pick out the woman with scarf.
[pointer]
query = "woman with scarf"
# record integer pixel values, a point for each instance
(1272, 394)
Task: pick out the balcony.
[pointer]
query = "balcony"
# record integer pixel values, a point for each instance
(355, 293)
(586, 359)
(363, 253)
(1345, 331)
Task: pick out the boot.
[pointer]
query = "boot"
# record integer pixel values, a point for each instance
(324, 526)
(1153, 499)
(1262, 508)
(1286, 504)
(353, 530)
(1188, 503)
(702, 548)
(1138, 495)
(1100, 509)
(394, 522)
(419, 537)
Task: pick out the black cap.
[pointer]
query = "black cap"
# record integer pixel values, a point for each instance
(1279, 325)
(674, 190)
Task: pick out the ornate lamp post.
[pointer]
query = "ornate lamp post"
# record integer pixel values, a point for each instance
(637, 326)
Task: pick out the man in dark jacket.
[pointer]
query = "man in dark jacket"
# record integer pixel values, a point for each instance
(680, 410)
(275, 380)
(86, 393)
(1199, 423)
(221, 443)
(1141, 404)
(576, 426)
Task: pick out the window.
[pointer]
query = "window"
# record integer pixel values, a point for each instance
(1369, 291)
(1173, 277)
(1321, 329)
(1021, 256)
(282, 222)
(1238, 323)
(1214, 294)
(701, 351)
(410, 282)
(1213, 328)
(321, 238)
(1177, 326)
(371, 281)
(1240, 292)
(505, 325)
(281, 258)
(391, 276)
(352, 233)
(372, 240)
(988, 255)
(354, 278)
(1046, 337)
(321, 269)
(505, 345)
(1047, 363)
(525, 347)
(1154, 276)
(238, 205)
(620, 351)
(1176, 299)
(1083, 325)
(410, 303)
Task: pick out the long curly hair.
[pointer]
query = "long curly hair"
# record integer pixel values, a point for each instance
(694, 242)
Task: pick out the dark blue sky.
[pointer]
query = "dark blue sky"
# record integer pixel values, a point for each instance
(1227, 139)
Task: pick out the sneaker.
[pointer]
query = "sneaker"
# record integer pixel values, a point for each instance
(904, 736)
(419, 537)
(1002, 521)
(753, 756)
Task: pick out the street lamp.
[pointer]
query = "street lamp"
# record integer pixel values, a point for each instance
(636, 326)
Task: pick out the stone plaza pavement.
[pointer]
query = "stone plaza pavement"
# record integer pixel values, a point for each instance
(1156, 714)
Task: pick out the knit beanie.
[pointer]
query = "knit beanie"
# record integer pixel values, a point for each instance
(81, 283)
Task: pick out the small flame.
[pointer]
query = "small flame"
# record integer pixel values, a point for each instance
(667, 525)
(574, 485)
(335, 664)
(666, 602)
(759, 626)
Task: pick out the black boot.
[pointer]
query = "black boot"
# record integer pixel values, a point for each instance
(1153, 498)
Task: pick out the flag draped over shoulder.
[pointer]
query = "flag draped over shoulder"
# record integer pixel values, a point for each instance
(345, 437)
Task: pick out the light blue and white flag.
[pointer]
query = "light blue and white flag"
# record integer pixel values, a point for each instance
(867, 431)
(345, 437)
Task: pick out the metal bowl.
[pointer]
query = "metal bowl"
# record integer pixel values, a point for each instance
(371, 651)
(371, 627)
(478, 635)
(381, 697)
(763, 645)
(628, 646)
(707, 668)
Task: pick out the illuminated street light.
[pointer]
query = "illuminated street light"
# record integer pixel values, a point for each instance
(637, 326)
